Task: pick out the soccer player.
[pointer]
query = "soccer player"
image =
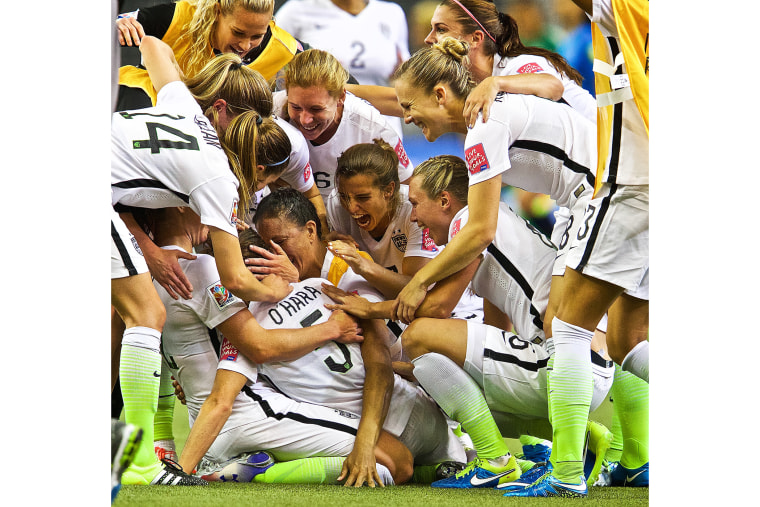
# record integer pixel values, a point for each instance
(167, 156)
(609, 264)
(197, 32)
(315, 101)
(371, 206)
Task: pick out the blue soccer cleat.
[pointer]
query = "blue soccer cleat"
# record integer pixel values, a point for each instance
(527, 478)
(598, 441)
(629, 478)
(537, 453)
(548, 485)
(481, 473)
(245, 467)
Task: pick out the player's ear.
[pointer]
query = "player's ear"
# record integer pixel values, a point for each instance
(440, 94)
(311, 230)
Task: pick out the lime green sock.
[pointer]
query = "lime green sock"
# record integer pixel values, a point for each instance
(163, 421)
(616, 447)
(139, 376)
(462, 400)
(424, 474)
(631, 395)
(570, 392)
(303, 471)
(529, 440)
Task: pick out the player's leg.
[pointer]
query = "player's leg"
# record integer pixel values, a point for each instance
(628, 333)
(631, 406)
(163, 421)
(438, 368)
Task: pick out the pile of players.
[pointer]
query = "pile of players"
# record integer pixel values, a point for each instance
(333, 314)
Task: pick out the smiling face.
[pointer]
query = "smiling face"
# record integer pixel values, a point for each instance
(368, 204)
(239, 31)
(443, 24)
(428, 213)
(314, 112)
(424, 110)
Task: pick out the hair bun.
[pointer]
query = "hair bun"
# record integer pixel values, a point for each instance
(454, 48)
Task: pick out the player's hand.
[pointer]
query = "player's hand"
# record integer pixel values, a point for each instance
(274, 262)
(349, 303)
(178, 391)
(407, 302)
(480, 99)
(360, 467)
(130, 31)
(405, 370)
(350, 332)
(279, 287)
(337, 236)
(164, 267)
(347, 251)
(240, 225)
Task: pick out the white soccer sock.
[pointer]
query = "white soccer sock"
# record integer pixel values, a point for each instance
(637, 361)
(385, 474)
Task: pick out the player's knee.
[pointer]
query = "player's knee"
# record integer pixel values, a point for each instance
(403, 472)
(413, 339)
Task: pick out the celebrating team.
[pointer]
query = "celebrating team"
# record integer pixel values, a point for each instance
(438, 320)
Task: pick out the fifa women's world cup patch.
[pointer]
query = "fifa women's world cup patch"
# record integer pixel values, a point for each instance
(476, 159)
(222, 297)
(427, 242)
(234, 213)
(306, 172)
(401, 154)
(530, 68)
(228, 352)
(456, 227)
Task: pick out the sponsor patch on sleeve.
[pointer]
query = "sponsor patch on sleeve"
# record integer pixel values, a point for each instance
(401, 154)
(222, 297)
(476, 159)
(455, 228)
(530, 68)
(234, 213)
(229, 352)
(307, 172)
(427, 242)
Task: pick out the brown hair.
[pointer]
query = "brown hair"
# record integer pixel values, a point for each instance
(378, 160)
(444, 172)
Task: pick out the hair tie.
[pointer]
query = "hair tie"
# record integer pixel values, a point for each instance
(258, 120)
(474, 19)
(278, 163)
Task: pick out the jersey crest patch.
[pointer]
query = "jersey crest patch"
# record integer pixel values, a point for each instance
(234, 213)
(222, 297)
(530, 68)
(476, 159)
(399, 240)
(456, 227)
(229, 352)
(306, 172)
(427, 242)
(401, 154)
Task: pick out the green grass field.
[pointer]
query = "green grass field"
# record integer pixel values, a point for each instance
(227, 495)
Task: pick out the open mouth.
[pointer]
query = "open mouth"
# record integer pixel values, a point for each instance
(362, 220)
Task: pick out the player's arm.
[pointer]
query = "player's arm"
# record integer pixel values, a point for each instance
(316, 199)
(213, 414)
(266, 345)
(235, 276)
(382, 97)
(360, 465)
(586, 5)
(493, 316)
(481, 98)
(162, 264)
(159, 60)
(464, 248)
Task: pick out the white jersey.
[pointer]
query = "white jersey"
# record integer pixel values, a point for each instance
(516, 271)
(168, 156)
(331, 375)
(370, 45)
(188, 342)
(402, 238)
(575, 95)
(360, 123)
(534, 144)
(298, 173)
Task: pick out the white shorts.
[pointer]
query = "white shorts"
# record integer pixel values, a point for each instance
(287, 429)
(566, 224)
(512, 372)
(428, 434)
(613, 241)
(126, 257)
